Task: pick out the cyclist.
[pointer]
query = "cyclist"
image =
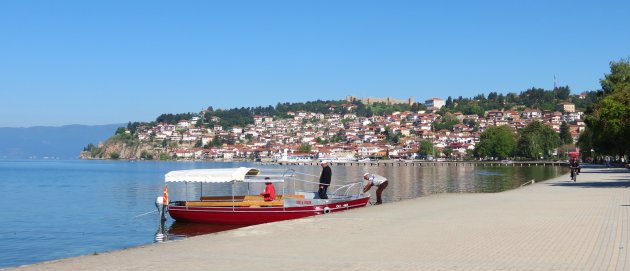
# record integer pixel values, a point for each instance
(575, 168)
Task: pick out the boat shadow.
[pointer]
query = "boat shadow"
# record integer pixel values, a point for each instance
(185, 229)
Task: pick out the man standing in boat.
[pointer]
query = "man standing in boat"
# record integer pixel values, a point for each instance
(380, 182)
(324, 180)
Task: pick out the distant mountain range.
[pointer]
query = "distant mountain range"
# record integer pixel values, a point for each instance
(40, 142)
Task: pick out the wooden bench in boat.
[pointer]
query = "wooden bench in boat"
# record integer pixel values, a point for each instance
(275, 203)
(246, 198)
(239, 201)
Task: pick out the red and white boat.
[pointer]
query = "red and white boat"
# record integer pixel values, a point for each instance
(248, 208)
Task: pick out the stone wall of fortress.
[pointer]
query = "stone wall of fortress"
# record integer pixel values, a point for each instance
(386, 100)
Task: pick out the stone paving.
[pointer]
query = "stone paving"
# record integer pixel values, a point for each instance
(552, 225)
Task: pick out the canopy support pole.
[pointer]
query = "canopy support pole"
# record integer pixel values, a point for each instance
(233, 207)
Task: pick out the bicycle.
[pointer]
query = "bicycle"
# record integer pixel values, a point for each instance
(574, 173)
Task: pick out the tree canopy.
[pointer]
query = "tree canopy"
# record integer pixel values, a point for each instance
(174, 118)
(608, 120)
(306, 148)
(565, 133)
(425, 148)
(496, 141)
(446, 122)
(537, 140)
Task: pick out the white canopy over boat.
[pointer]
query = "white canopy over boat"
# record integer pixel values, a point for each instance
(218, 175)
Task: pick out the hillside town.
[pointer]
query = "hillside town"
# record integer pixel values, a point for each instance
(306, 136)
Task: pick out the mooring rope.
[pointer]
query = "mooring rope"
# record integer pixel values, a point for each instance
(145, 214)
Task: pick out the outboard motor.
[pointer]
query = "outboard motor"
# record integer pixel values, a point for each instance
(162, 203)
(160, 235)
(162, 208)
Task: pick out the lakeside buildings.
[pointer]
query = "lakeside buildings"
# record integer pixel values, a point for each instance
(362, 137)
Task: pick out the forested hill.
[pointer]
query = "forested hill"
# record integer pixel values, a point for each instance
(62, 142)
(537, 98)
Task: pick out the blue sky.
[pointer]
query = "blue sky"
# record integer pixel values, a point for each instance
(102, 62)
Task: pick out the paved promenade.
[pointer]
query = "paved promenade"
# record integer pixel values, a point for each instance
(552, 225)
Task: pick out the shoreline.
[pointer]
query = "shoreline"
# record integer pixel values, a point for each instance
(537, 226)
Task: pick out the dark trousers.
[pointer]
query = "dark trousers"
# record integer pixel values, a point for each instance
(322, 191)
(379, 192)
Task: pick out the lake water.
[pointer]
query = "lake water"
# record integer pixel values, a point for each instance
(59, 209)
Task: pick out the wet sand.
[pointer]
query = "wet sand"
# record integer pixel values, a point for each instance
(553, 225)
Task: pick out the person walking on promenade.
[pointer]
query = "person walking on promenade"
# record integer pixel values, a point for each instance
(375, 180)
(324, 180)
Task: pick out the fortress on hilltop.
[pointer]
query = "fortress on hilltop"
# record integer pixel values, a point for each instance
(386, 100)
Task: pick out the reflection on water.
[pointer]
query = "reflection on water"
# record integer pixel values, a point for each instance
(183, 229)
(179, 230)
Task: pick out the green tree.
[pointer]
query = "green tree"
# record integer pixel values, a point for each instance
(565, 133)
(446, 122)
(217, 141)
(562, 93)
(537, 140)
(448, 151)
(425, 149)
(114, 155)
(89, 147)
(306, 148)
(319, 140)
(120, 131)
(449, 102)
(585, 141)
(608, 120)
(133, 126)
(496, 141)
(618, 80)
(174, 118)
(198, 143)
(146, 155)
(395, 139)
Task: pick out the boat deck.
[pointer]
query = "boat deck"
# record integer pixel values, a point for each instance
(238, 201)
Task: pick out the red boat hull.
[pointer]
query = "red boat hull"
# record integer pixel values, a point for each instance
(257, 215)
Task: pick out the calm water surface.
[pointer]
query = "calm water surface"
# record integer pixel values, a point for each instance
(59, 209)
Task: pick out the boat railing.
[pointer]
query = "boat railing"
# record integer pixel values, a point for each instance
(348, 188)
(282, 173)
(345, 188)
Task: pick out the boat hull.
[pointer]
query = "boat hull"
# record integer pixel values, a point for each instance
(258, 215)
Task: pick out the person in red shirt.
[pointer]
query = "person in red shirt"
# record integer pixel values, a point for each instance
(270, 191)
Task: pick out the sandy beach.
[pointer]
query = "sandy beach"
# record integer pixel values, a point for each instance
(553, 225)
